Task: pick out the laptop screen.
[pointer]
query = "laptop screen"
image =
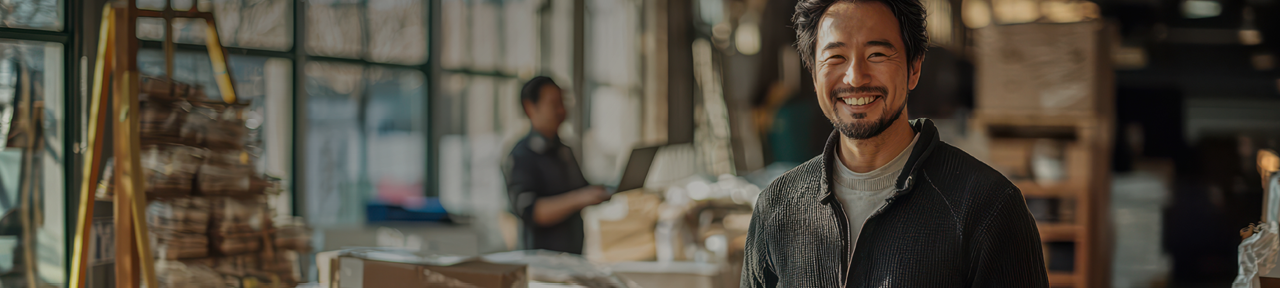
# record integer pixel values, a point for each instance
(637, 168)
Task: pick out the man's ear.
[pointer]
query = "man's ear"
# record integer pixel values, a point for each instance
(527, 106)
(913, 77)
(813, 77)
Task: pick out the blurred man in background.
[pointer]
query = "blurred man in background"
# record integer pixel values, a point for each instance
(544, 182)
(886, 204)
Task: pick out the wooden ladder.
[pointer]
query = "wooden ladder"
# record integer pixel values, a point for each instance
(117, 69)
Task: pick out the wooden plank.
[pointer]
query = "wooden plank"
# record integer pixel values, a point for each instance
(133, 184)
(29, 177)
(1032, 119)
(1062, 279)
(133, 257)
(126, 264)
(1096, 213)
(1065, 189)
(217, 57)
(93, 150)
(1059, 232)
(178, 14)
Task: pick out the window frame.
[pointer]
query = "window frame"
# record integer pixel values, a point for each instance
(70, 111)
(301, 57)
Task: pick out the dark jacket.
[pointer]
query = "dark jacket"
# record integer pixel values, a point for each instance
(540, 167)
(953, 222)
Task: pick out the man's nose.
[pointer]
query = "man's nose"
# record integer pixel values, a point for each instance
(856, 75)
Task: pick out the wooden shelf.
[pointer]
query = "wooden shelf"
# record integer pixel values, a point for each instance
(1062, 279)
(1035, 119)
(1058, 232)
(1032, 189)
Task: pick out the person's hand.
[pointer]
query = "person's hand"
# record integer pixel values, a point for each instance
(592, 195)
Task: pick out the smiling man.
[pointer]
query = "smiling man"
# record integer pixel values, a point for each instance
(887, 204)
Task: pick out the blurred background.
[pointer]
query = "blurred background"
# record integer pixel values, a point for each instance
(1132, 126)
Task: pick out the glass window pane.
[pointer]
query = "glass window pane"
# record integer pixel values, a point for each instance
(366, 142)
(559, 39)
(397, 31)
(262, 24)
(181, 5)
(335, 193)
(31, 168)
(449, 107)
(156, 5)
(486, 40)
(335, 28)
(511, 118)
(395, 134)
(521, 32)
(195, 68)
(611, 35)
(178, 5)
(150, 28)
(188, 67)
(185, 30)
(448, 114)
(454, 52)
(480, 105)
(189, 30)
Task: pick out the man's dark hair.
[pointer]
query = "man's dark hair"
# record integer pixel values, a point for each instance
(910, 15)
(532, 90)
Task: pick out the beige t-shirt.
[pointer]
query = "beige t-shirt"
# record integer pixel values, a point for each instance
(864, 193)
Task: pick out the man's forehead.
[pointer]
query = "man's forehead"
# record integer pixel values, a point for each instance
(860, 19)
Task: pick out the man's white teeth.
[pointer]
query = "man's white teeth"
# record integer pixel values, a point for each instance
(858, 101)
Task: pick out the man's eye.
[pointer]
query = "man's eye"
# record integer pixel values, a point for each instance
(834, 59)
(877, 54)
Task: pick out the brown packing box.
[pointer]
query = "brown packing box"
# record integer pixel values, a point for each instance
(1268, 282)
(632, 237)
(351, 272)
(1042, 69)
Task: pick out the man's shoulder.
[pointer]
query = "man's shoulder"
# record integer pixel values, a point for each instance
(521, 149)
(801, 181)
(965, 180)
(520, 154)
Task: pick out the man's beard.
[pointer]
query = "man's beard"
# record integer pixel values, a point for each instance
(863, 131)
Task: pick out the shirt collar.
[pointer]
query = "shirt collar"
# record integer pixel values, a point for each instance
(542, 144)
(927, 139)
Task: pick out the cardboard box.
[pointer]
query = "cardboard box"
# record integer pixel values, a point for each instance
(632, 237)
(1042, 69)
(1268, 282)
(352, 272)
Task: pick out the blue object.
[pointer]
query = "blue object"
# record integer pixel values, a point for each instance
(433, 211)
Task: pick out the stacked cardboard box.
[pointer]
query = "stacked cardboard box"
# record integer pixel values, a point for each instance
(209, 215)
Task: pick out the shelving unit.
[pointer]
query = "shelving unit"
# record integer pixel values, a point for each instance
(1086, 157)
(1053, 81)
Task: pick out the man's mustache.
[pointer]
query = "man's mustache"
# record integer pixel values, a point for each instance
(859, 90)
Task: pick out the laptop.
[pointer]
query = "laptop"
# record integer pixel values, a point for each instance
(637, 170)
